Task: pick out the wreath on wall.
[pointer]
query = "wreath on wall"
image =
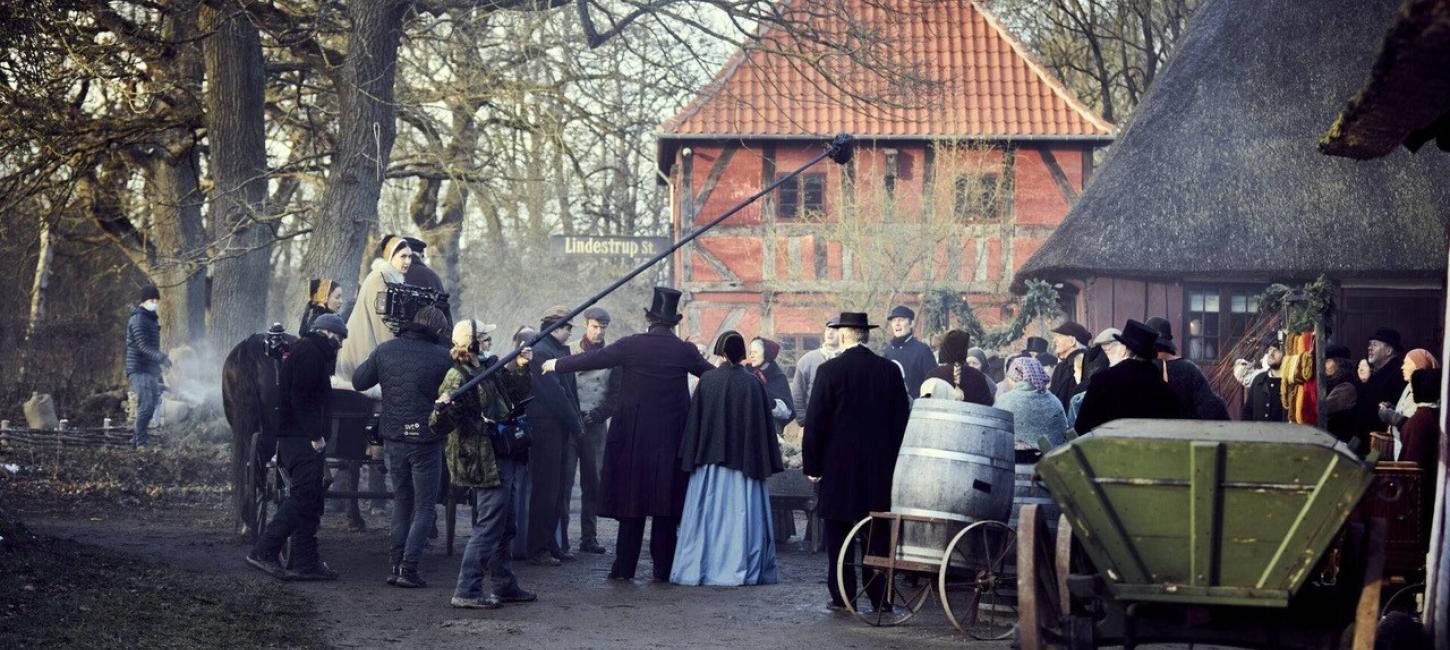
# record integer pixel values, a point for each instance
(1306, 307)
(1041, 301)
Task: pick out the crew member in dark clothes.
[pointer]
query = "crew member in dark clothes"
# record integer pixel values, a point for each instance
(420, 275)
(1195, 395)
(300, 444)
(1132, 387)
(975, 387)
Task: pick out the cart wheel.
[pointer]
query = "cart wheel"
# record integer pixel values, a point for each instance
(905, 592)
(268, 498)
(975, 592)
(1038, 590)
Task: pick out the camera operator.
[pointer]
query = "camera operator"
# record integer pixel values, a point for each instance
(483, 453)
(300, 444)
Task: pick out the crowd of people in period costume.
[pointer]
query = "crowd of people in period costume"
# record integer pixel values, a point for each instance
(662, 434)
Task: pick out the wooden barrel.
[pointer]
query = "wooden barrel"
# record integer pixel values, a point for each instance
(1027, 488)
(955, 465)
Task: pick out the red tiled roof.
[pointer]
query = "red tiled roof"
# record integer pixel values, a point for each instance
(959, 73)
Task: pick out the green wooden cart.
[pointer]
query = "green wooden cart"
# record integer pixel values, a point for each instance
(1201, 532)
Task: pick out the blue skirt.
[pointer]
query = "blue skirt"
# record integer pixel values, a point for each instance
(726, 537)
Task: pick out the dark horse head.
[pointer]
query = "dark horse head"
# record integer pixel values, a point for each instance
(252, 398)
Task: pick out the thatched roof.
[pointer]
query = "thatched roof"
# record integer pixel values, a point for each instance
(1218, 175)
(1407, 100)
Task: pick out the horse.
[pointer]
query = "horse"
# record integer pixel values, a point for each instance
(252, 399)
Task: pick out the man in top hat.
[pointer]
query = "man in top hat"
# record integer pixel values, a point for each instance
(1132, 387)
(554, 420)
(420, 275)
(1385, 380)
(855, 420)
(1194, 393)
(904, 348)
(642, 476)
(1069, 343)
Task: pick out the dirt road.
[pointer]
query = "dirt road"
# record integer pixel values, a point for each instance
(577, 607)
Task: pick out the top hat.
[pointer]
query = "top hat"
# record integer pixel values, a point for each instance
(1076, 331)
(665, 306)
(1139, 338)
(1165, 335)
(1387, 336)
(1036, 344)
(854, 320)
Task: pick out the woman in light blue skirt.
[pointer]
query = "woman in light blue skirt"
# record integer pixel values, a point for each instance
(730, 449)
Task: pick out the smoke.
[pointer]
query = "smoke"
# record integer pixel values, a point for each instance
(195, 375)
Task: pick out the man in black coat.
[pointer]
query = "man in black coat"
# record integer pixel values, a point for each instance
(1386, 379)
(1262, 399)
(409, 370)
(554, 420)
(1195, 395)
(1070, 343)
(301, 440)
(642, 476)
(855, 420)
(1133, 387)
(904, 348)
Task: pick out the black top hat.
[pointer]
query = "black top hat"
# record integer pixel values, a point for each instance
(1139, 338)
(1165, 335)
(1069, 328)
(1036, 344)
(855, 320)
(665, 306)
(1387, 336)
(1338, 351)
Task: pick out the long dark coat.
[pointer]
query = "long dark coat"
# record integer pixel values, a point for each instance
(1195, 395)
(855, 421)
(730, 424)
(1064, 383)
(1131, 389)
(642, 476)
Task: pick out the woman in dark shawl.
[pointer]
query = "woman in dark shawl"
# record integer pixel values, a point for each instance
(760, 358)
(730, 449)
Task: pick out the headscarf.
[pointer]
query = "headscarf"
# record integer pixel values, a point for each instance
(980, 355)
(771, 351)
(1423, 359)
(390, 247)
(320, 290)
(730, 345)
(1029, 370)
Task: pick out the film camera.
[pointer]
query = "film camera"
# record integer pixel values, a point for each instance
(398, 303)
(277, 341)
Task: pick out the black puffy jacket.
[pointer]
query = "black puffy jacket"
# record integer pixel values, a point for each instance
(307, 389)
(409, 369)
(143, 343)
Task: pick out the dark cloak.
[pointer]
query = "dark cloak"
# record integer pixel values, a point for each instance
(730, 424)
(778, 387)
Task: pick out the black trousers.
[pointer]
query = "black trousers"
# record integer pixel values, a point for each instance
(584, 454)
(663, 534)
(835, 533)
(300, 513)
(546, 482)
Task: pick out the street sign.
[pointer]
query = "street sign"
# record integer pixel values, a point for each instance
(606, 246)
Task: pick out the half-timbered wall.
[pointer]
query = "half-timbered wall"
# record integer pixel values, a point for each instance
(759, 273)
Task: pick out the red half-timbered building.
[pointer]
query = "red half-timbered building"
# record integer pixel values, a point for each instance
(770, 271)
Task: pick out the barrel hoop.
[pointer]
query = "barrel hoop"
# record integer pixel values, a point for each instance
(936, 514)
(1004, 425)
(957, 455)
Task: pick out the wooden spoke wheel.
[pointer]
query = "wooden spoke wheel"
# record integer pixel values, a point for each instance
(901, 593)
(976, 592)
(1042, 565)
(269, 488)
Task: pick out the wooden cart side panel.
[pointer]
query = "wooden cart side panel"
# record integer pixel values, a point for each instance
(1105, 541)
(1329, 506)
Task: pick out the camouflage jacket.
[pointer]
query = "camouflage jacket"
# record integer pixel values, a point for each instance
(469, 421)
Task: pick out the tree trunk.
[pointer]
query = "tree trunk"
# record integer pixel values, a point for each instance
(238, 164)
(174, 262)
(37, 297)
(367, 127)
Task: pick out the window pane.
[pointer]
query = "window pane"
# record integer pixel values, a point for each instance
(789, 200)
(1210, 324)
(1240, 303)
(1195, 302)
(1210, 350)
(1254, 304)
(1210, 303)
(815, 192)
(1195, 348)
